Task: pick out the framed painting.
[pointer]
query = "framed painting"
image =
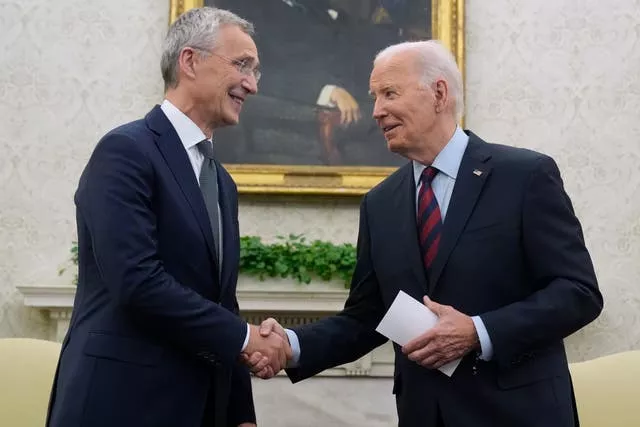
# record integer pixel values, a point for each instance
(309, 129)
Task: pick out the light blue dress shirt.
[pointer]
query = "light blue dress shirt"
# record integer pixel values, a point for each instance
(447, 162)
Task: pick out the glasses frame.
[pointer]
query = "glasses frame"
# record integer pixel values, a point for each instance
(242, 65)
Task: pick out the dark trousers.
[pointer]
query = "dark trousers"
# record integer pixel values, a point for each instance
(214, 415)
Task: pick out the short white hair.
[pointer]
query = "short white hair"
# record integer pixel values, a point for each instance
(197, 28)
(436, 62)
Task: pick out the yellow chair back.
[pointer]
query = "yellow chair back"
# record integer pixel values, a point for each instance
(608, 390)
(27, 367)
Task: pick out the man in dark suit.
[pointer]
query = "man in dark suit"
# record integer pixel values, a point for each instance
(155, 338)
(487, 235)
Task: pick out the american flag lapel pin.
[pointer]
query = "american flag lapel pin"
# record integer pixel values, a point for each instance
(477, 172)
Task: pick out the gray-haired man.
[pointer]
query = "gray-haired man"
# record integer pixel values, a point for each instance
(155, 337)
(486, 236)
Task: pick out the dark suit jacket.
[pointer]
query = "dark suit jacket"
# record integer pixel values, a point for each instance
(512, 251)
(154, 333)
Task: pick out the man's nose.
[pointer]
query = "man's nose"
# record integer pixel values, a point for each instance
(250, 84)
(378, 110)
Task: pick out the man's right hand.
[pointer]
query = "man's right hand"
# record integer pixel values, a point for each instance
(257, 362)
(272, 325)
(266, 353)
(346, 103)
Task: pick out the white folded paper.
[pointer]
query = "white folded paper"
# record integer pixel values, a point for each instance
(407, 319)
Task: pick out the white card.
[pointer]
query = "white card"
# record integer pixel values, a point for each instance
(407, 319)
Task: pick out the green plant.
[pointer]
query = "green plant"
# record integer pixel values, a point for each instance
(290, 256)
(73, 260)
(294, 257)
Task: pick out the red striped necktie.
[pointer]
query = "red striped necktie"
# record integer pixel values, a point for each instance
(429, 219)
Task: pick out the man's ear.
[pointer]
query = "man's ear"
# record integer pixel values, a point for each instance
(441, 94)
(187, 60)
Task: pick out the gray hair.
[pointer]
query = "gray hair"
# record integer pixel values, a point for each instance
(197, 28)
(436, 62)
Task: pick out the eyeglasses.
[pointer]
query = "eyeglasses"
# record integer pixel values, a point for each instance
(244, 66)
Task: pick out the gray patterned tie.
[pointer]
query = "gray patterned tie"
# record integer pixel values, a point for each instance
(209, 188)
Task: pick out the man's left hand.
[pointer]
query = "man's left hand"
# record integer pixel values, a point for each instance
(451, 338)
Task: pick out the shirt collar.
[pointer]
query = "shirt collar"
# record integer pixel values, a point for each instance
(188, 132)
(449, 159)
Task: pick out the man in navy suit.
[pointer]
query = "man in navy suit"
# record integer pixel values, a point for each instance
(486, 236)
(155, 338)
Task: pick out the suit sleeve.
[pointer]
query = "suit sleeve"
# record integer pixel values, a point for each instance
(567, 296)
(116, 198)
(351, 333)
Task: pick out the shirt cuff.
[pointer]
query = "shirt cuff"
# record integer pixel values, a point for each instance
(324, 99)
(295, 348)
(246, 339)
(486, 347)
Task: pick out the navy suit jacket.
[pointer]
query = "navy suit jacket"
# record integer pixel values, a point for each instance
(154, 333)
(512, 251)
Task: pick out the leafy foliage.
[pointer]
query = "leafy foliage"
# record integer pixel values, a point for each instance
(73, 260)
(294, 257)
(290, 256)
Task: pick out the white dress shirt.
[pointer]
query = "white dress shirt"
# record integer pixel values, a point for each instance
(191, 135)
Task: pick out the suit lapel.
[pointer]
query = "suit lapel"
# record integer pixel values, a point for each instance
(472, 174)
(403, 213)
(177, 159)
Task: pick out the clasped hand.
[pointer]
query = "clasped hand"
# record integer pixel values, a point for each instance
(268, 349)
(451, 338)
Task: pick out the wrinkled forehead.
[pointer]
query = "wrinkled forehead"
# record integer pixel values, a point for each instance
(397, 70)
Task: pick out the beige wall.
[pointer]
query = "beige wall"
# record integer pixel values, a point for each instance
(559, 77)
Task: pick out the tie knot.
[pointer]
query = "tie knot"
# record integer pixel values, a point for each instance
(206, 148)
(428, 174)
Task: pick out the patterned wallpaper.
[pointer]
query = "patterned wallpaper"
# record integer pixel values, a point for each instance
(69, 71)
(560, 77)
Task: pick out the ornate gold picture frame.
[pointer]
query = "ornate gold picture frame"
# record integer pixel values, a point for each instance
(447, 24)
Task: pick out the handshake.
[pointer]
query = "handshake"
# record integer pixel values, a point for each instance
(268, 350)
